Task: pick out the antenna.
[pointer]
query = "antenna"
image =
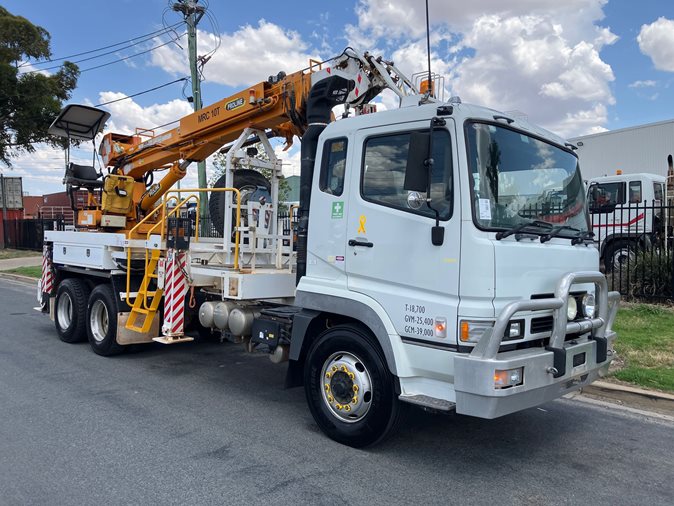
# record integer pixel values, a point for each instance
(428, 50)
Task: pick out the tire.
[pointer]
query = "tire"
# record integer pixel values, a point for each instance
(102, 321)
(243, 179)
(618, 254)
(70, 310)
(343, 358)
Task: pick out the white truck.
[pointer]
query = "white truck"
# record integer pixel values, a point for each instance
(626, 213)
(419, 275)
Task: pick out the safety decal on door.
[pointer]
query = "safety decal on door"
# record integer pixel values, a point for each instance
(361, 223)
(337, 210)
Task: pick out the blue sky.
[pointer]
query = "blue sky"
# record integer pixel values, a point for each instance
(576, 67)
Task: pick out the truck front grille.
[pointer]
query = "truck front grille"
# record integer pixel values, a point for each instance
(541, 324)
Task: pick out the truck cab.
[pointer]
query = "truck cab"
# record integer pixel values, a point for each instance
(508, 309)
(625, 214)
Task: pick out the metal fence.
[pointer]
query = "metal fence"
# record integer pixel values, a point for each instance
(635, 245)
(29, 234)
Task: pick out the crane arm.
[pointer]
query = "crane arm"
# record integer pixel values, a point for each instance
(277, 104)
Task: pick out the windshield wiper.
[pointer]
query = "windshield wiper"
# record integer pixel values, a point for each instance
(556, 231)
(533, 223)
(582, 237)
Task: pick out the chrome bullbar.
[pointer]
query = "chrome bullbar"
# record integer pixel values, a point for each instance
(548, 372)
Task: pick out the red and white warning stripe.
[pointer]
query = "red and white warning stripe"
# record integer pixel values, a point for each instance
(175, 290)
(47, 279)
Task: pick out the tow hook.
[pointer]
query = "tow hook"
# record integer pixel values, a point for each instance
(552, 370)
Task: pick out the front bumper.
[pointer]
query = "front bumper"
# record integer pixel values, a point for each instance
(549, 372)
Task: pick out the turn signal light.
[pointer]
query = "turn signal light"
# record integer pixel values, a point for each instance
(441, 327)
(471, 331)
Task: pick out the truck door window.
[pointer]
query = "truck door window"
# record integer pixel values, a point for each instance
(384, 163)
(603, 197)
(657, 191)
(635, 192)
(333, 166)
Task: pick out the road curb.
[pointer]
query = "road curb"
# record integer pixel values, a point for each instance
(632, 396)
(18, 277)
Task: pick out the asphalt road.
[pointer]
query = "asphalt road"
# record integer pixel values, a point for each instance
(209, 424)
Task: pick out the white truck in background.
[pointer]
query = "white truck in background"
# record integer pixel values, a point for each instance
(626, 211)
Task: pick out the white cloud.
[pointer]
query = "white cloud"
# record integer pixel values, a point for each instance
(407, 18)
(657, 42)
(290, 160)
(42, 171)
(643, 84)
(537, 56)
(247, 56)
(127, 115)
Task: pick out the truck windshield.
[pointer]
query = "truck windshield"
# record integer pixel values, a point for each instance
(516, 178)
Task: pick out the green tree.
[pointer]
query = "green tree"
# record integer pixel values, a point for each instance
(29, 101)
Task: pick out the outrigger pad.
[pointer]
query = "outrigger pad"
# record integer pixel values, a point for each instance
(172, 340)
(79, 122)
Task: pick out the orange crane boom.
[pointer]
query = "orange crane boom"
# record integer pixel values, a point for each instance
(276, 106)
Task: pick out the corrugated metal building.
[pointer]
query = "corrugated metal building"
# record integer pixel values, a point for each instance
(636, 149)
(11, 191)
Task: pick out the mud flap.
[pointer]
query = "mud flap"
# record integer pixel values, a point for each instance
(126, 336)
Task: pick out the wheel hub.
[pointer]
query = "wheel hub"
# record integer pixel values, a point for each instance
(346, 387)
(64, 311)
(99, 321)
(341, 386)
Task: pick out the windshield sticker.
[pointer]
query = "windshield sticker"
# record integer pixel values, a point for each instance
(485, 209)
(524, 138)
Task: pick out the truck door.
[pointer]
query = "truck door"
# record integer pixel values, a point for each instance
(389, 254)
(606, 201)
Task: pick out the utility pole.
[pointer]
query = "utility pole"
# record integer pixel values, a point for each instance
(193, 14)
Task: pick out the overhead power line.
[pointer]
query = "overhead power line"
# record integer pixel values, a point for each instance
(104, 54)
(142, 92)
(118, 59)
(130, 42)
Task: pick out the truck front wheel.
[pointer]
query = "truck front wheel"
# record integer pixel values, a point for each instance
(349, 389)
(70, 310)
(102, 321)
(619, 254)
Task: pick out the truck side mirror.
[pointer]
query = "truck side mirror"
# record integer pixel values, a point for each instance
(418, 175)
(416, 171)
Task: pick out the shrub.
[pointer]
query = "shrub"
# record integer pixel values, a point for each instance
(649, 275)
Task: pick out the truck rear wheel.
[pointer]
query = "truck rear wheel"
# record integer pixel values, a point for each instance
(349, 388)
(70, 310)
(102, 321)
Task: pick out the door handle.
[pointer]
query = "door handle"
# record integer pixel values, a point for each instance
(366, 244)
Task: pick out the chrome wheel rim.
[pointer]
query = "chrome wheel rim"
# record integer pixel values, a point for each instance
(346, 387)
(621, 257)
(64, 311)
(98, 321)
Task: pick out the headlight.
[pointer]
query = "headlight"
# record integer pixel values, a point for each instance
(508, 378)
(589, 306)
(571, 309)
